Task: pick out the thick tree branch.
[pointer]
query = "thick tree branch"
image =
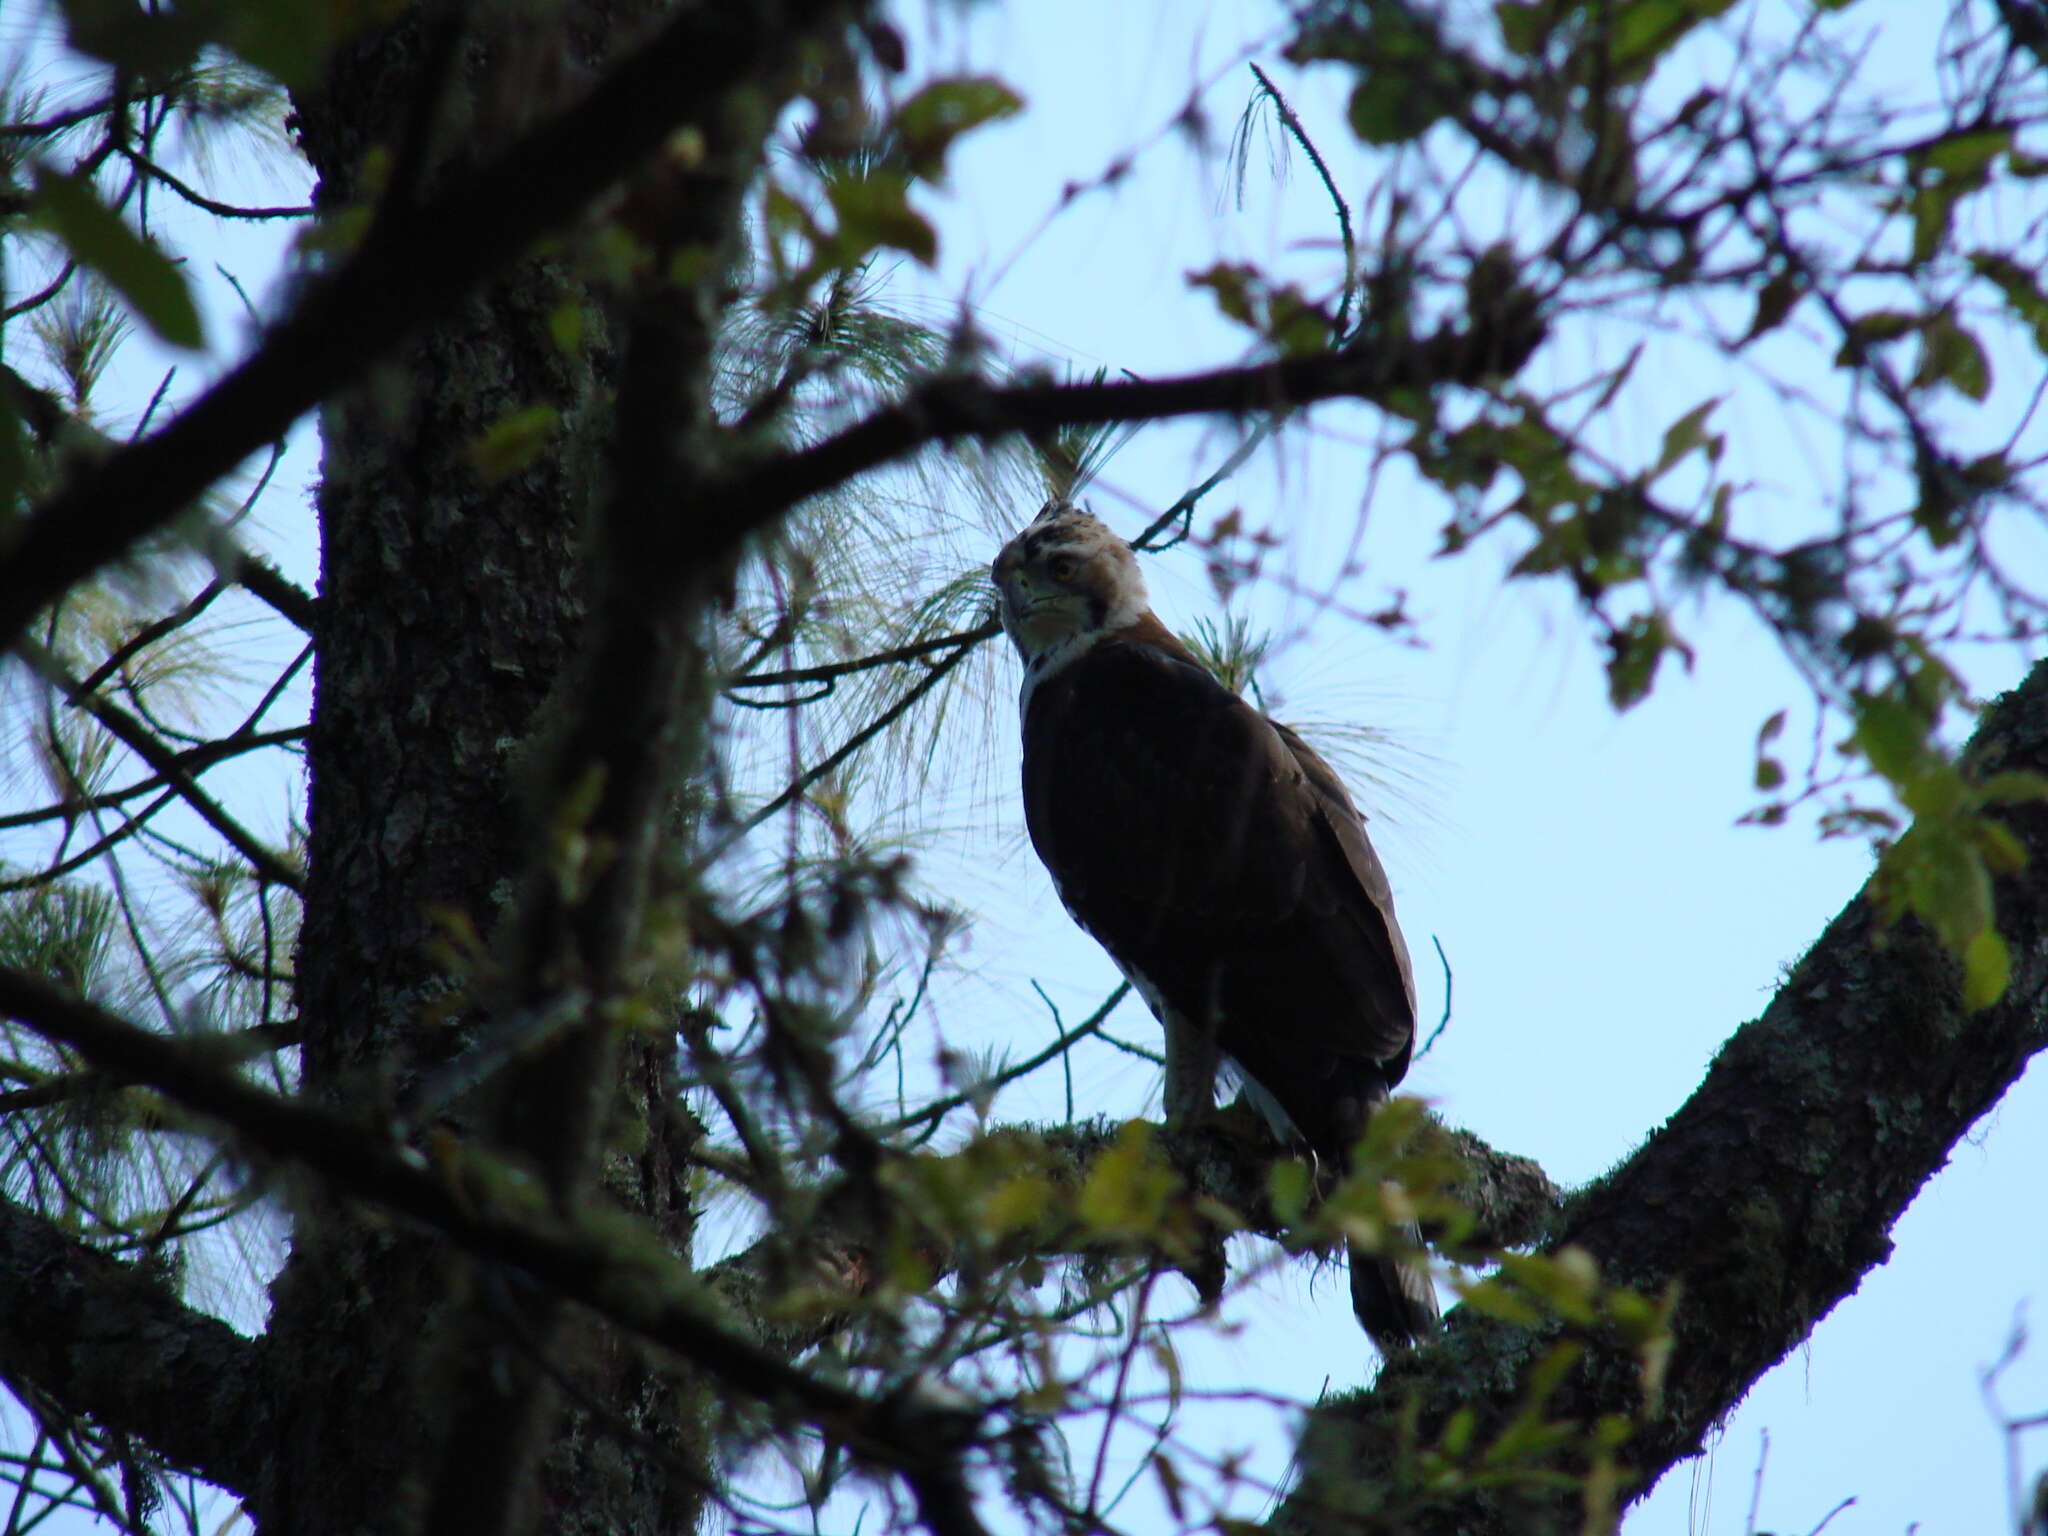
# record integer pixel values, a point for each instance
(496, 1212)
(417, 264)
(1765, 1199)
(107, 1340)
(840, 1255)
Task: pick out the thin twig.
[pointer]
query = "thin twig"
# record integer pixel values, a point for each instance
(1300, 136)
(143, 743)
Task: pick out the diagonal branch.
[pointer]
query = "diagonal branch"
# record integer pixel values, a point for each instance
(1491, 344)
(491, 1210)
(169, 766)
(107, 1340)
(417, 265)
(1765, 1199)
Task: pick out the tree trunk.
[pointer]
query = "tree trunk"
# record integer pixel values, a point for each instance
(450, 604)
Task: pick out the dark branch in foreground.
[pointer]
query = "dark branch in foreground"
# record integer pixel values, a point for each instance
(1765, 1199)
(490, 1210)
(415, 265)
(372, 303)
(106, 1339)
(1489, 345)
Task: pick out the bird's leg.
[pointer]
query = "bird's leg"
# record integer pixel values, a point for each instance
(1192, 1057)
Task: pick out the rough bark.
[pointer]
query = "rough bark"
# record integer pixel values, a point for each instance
(449, 607)
(113, 1341)
(1764, 1199)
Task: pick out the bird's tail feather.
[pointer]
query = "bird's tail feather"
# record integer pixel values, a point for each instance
(1393, 1297)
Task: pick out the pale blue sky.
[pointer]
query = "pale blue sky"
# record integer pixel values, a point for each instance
(1607, 922)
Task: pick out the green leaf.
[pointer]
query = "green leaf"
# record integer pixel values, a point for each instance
(2022, 295)
(875, 211)
(1635, 650)
(1493, 1298)
(1967, 157)
(1951, 355)
(1687, 433)
(1773, 303)
(1987, 968)
(1281, 314)
(1128, 1188)
(1233, 284)
(151, 44)
(136, 268)
(565, 327)
(1946, 882)
(289, 38)
(514, 441)
(1643, 32)
(1523, 26)
(1390, 108)
(1288, 1188)
(1877, 326)
(2002, 851)
(1933, 207)
(926, 125)
(1893, 736)
(2012, 786)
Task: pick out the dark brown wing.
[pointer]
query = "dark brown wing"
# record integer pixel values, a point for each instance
(1150, 791)
(1365, 901)
(1215, 855)
(1220, 861)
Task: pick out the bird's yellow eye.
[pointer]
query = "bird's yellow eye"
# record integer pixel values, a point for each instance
(1062, 567)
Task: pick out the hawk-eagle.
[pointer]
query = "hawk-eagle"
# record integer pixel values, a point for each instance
(1219, 861)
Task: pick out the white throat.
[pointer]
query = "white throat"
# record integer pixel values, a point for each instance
(1053, 660)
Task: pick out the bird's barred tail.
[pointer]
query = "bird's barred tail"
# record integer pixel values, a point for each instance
(1394, 1299)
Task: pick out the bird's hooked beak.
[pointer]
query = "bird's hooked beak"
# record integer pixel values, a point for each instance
(1014, 595)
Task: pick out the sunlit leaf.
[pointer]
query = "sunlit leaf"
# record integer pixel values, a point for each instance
(1128, 1187)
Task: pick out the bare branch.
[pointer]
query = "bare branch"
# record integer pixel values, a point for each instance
(140, 740)
(420, 261)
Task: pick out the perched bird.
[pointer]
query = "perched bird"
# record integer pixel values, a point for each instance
(1219, 861)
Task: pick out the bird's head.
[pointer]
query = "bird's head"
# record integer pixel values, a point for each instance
(1065, 580)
